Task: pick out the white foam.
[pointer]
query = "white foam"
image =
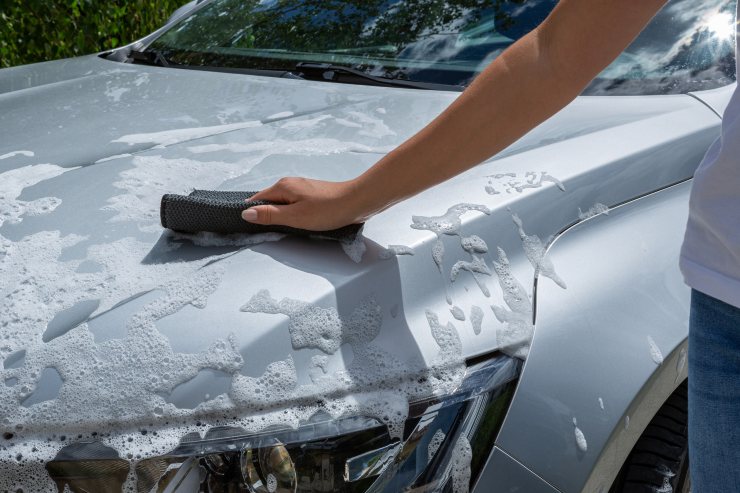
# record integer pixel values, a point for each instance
(680, 364)
(626, 423)
(16, 153)
(171, 137)
(476, 318)
(458, 313)
(448, 223)
(207, 239)
(597, 209)
(395, 250)
(518, 182)
(601, 403)
(280, 116)
(516, 336)
(354, 247)
(580, 437)
(462, 455)
(153, 176)
(655, 352)
(112, 158)
(434, 443)
(536, 253)
(114, 93)
(12, 184)
(313, 147)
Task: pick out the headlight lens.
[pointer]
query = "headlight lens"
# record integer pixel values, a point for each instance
(446, 443)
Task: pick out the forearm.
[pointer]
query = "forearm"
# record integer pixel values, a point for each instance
(531, 81)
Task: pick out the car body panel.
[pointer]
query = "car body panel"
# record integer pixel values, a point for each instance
(503, 474)
(717, 99)
(635, 247)
(123, 135)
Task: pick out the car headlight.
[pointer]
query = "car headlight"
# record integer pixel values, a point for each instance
(446, 442)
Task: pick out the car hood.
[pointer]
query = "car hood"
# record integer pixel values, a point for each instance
(110, 321)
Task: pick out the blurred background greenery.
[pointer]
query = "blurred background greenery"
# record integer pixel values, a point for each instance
(38, 30)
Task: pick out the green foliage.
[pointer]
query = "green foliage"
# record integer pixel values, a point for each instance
(37, 30)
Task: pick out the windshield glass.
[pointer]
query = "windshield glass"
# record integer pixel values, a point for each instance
(442, 42)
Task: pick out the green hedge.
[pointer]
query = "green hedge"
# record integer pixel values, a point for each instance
(37, 30)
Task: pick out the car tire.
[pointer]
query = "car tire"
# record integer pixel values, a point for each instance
(659, 462)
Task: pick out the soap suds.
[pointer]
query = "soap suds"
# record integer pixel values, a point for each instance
(518, 182)
(655, 352)
(206, 239)
(171, 137)
(580, 438)
(313, 147)
(279, 116)
(516, 336)
(680, 364)
(394, 251)
(354, 247)
(12, 184)
(597, 209)
(434, 443)
(450, 224)
(537, 254)
(458, 313)
(17, 153)
(112, 158)
(153, 176)
(476, 319)
(626, 423)
(462, 455)
(601, 403)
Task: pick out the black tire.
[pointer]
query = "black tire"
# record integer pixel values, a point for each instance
(659, 462)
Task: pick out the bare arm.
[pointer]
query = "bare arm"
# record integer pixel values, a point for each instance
(528, 83)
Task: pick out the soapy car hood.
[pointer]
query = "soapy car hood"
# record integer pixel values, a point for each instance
(110, 321)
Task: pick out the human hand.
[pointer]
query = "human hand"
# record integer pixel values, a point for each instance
(303, 203)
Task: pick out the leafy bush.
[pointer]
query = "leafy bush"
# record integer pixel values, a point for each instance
(37, 30)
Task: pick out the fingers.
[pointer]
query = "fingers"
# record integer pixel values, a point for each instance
(265, 214)
(281, 192)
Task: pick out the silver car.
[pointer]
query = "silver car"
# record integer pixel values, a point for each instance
(521, 327)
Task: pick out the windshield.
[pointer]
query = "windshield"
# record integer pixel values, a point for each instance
(441, 42)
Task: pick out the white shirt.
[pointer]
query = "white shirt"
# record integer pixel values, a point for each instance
(710, 257)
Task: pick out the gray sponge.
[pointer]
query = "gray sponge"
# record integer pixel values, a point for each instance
(221, 212)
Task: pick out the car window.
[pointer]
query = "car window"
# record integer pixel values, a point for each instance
(688, 46)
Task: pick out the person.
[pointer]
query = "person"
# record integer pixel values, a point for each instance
(529, 82)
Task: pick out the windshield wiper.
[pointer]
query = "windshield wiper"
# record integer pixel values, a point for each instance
(347, 75)
(149, 57)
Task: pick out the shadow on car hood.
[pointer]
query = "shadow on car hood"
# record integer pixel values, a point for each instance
(107, 320)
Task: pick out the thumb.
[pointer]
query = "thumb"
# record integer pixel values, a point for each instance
(264, 214)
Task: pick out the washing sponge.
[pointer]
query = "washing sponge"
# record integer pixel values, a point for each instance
(221, 212)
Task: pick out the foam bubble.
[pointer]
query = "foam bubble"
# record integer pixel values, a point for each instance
(171, 137)
(458, 313)
(580, 437)
(476, 318)
(354, 247)
(655, 352)
(537, 254)
(462, 455)
(680, 364)
(597, 209)
(12, 184)
(16, 153)
(518, 182)
(516, 336)
(434, 443)
(395, 250)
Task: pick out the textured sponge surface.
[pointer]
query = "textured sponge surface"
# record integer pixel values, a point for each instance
(218, 211)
